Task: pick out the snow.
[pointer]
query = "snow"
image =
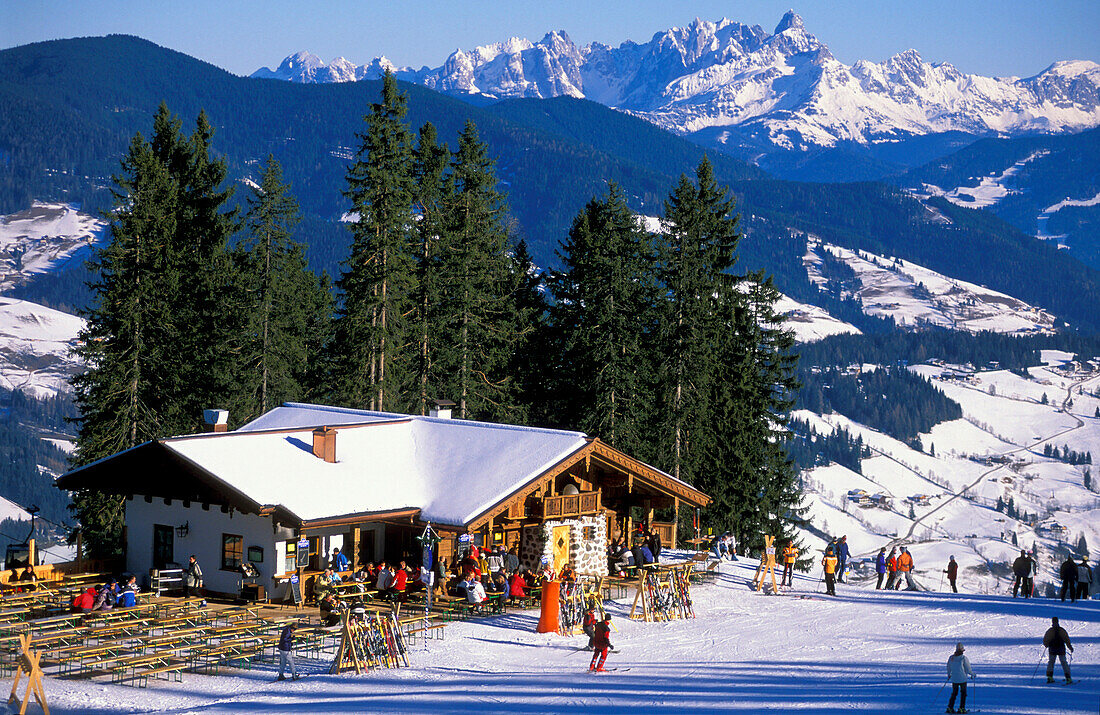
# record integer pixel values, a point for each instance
(34, 348)
(914, 295)
(809, 322)
(989, 191)
(994, 452)
(43, 238)
(864, 651)
(11, 510)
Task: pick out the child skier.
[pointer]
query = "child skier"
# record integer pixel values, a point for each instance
(590, 626)
(602, 644)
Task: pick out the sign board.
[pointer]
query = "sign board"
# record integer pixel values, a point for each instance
(303, 543)
(303, 557)
(770, 551)
(296, 589)
(464, 538)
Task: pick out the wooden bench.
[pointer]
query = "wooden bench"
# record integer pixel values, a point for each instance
(704, 567)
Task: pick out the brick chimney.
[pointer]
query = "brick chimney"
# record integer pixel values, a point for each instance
(215, 420)
(324, 443)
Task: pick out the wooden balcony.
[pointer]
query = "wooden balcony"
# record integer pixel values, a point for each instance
(565, 506)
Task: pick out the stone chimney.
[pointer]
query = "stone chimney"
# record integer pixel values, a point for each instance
(441, 409)
(324, 444)
(215, 420)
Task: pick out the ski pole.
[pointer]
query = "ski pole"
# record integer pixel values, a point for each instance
(1036, 671)
(936, 698)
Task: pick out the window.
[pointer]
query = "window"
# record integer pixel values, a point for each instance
(232, 551)
(290, 563)
(163, 545)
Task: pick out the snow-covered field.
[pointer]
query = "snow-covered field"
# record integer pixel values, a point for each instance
(989, 190)
(913, 295)
(809, 322)
(34, 348)
(44, 238)
(864, 651)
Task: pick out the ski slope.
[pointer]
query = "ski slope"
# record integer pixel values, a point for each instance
(34, 348)
(994, 452)
(863, 651)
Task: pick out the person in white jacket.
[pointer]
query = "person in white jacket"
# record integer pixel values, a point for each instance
(958, 670)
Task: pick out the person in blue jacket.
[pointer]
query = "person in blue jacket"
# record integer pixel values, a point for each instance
(880, 567)
(842, 554)
(340, 563)
(286, 651)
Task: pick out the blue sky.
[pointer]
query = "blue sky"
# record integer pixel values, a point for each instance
(1006, 37)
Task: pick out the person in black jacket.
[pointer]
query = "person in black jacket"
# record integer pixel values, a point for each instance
(1068, 574)
(286, 651)
(1021, 567)
(653, 541)
(952, 573)
(1056, 641)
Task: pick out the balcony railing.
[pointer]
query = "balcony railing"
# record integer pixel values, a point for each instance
(567, 505)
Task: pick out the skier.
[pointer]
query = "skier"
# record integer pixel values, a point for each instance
(1056, 640)
(602, 643)
(1021, 568)
(790, 555)
(1068, 574)
(589, 627)
(905, 566)
(842, 554)
(1084, 579)
(952, 572)
(828, 564)
(891, 569)
(880, 566)
(958, 669)
(286, 651)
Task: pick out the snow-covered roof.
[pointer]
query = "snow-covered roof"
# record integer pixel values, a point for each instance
(452, 470)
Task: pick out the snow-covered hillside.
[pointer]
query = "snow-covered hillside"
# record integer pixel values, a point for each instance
(863, 651)
(34, 348)
(809, 322)
(913, 295)
(784, 88)
(996, 451)
(45, 237)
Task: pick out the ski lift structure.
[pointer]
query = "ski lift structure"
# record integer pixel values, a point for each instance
(24, 554)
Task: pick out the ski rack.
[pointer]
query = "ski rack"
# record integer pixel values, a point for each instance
(664, 594)
(373, 640)
(574, 597)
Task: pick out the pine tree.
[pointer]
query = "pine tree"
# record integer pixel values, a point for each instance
(120, 396)
(282, 299)
(604, 303)
(207, 323)
(430, 197)
(748, 470)
(369, 351)
(696, 247)
(536, 359)
(476, 289)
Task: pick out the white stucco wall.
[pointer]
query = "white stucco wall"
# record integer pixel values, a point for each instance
(204, 539)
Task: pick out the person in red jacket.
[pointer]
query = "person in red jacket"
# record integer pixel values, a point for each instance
(891, 570)
(602, 643)
(396, 591)
(85, 601)
(952, 573)
(589, 626)
(518, 586)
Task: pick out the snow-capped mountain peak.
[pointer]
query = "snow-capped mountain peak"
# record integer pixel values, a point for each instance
(784, 88)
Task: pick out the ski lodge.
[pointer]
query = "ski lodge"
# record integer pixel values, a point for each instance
(312, 478)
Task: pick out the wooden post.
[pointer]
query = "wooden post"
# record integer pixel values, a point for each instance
(354, 549)
(675, 520)
(30, 553)
(28, 661)
(80, 551)
(767, 566)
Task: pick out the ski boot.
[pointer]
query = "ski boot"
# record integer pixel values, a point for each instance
(1050, 678)
(1069, 681)
(950, 709)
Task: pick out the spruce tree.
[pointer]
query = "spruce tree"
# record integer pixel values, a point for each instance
(207, 320)
(604, 304)
(430, 199)
(124, 343)
(370, 355)
(536, 358)
(282, 299)
(476, 307)
(695, 249)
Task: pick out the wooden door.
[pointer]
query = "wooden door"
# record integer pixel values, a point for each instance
(561, 547)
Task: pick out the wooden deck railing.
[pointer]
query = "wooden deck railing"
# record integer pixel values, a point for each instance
(567, 505)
